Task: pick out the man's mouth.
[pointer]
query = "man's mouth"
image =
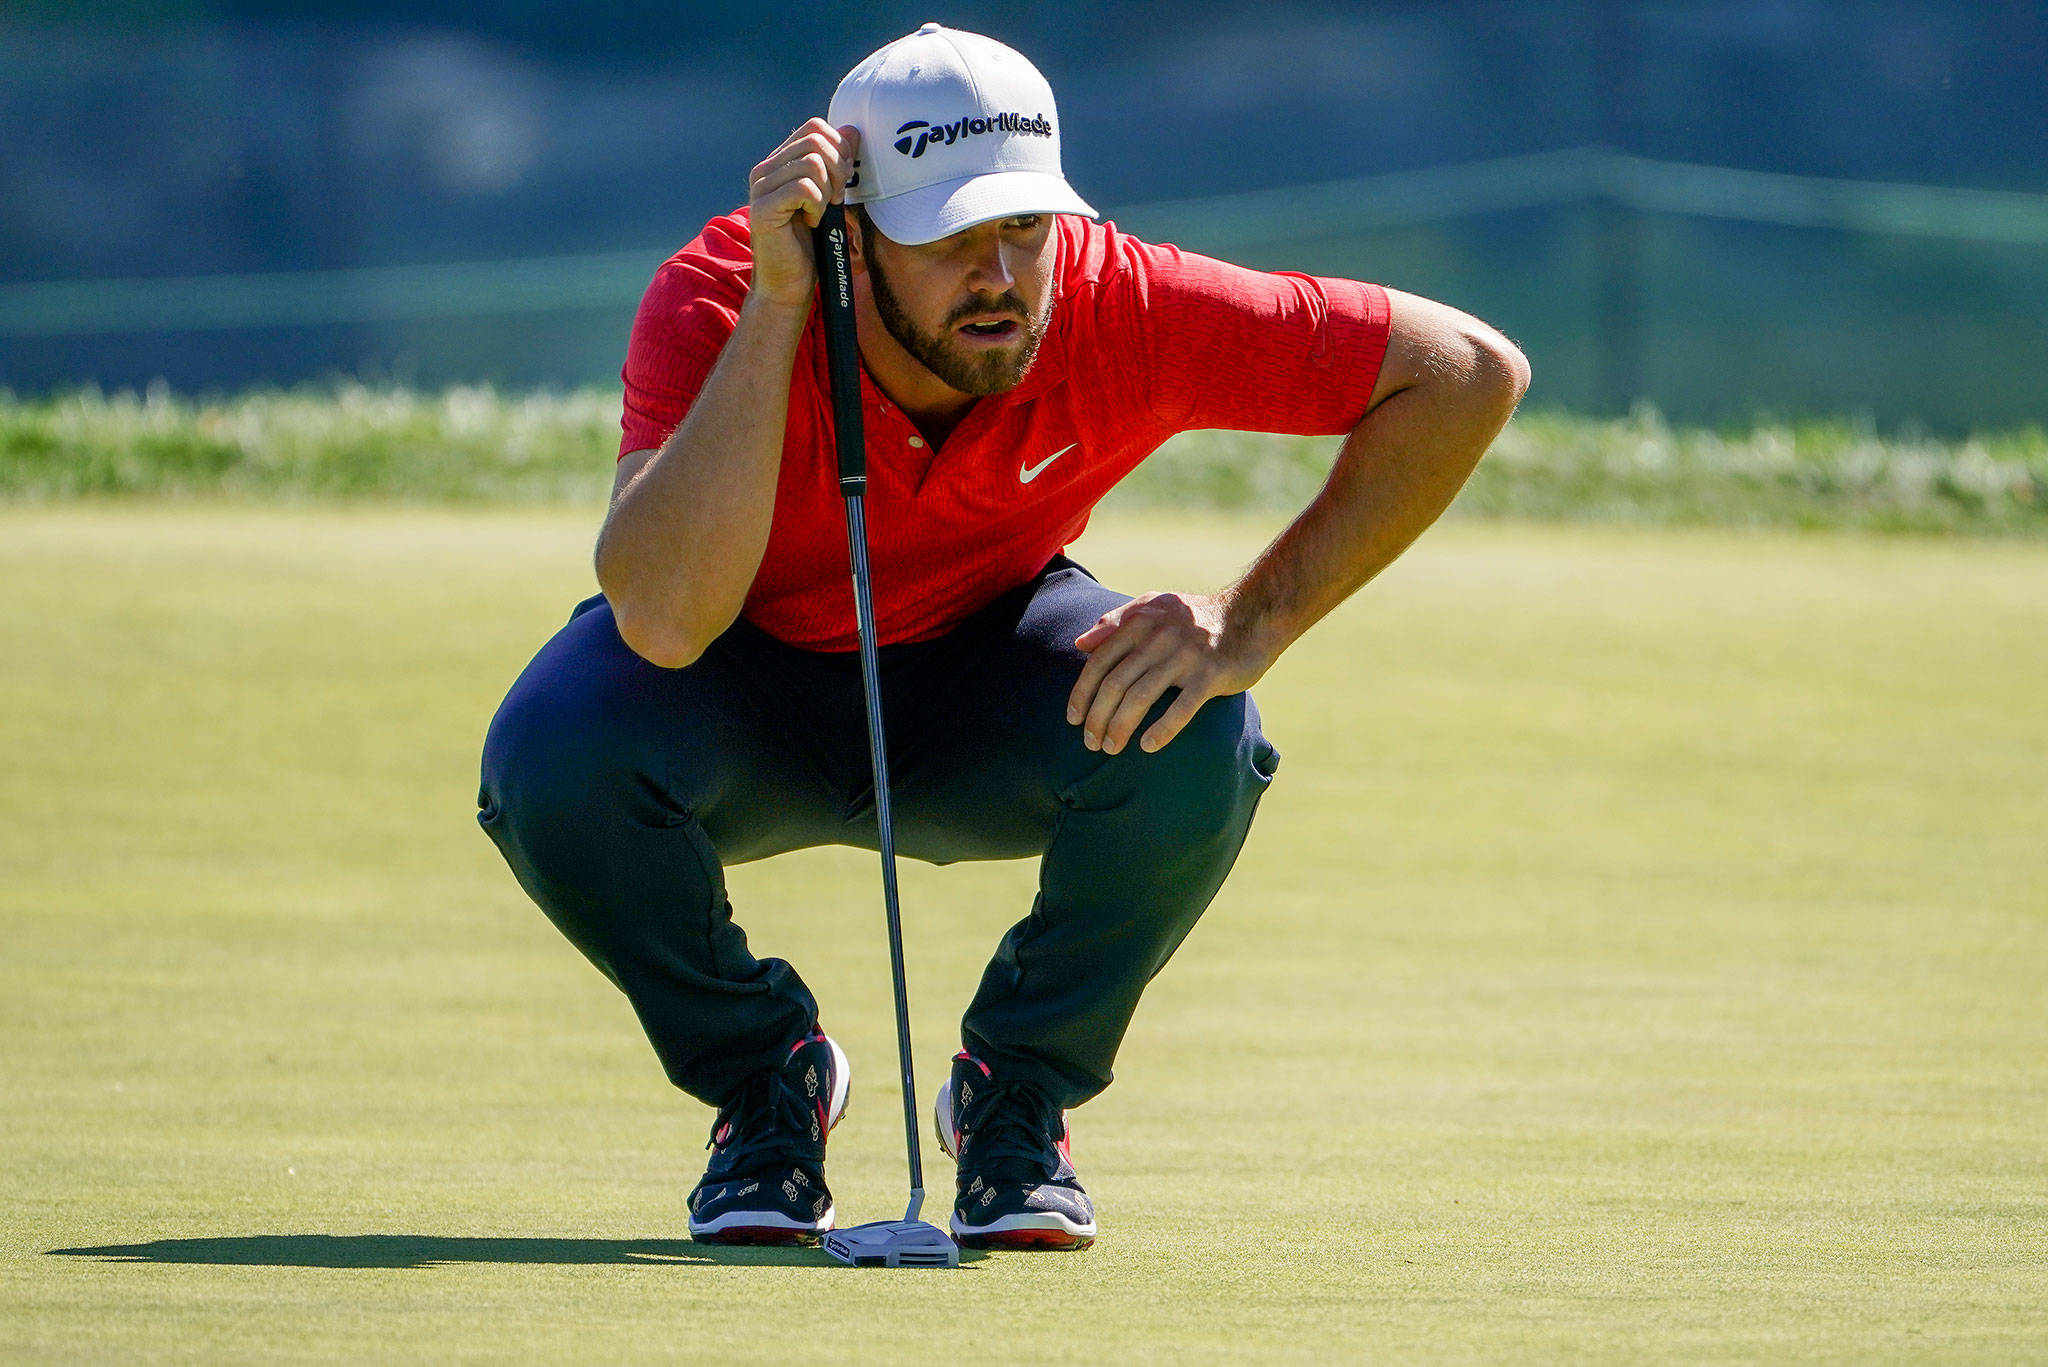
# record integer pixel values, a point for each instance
(990, 327)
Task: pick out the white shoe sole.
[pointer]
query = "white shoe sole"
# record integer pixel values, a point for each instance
(1048, 1220)
(764, 1220)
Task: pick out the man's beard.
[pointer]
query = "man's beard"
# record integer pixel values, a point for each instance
(976, 372)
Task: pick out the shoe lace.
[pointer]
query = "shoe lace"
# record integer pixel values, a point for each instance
(1012, 1132)
(768, 1121)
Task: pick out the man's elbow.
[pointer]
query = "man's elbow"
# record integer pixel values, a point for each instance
(1498, 370)
(654, 639)
(651, 628)
(1518, 372)
(1459, 367)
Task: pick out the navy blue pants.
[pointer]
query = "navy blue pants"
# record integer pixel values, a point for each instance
(619, 791)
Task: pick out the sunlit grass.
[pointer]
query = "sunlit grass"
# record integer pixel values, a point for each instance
(1638, 958)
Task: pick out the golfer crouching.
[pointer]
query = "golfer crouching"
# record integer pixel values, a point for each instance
(1018, 358)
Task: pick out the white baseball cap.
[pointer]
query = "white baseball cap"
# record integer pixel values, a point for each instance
(955, 129)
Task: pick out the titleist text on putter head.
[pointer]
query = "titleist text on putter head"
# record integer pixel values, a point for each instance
(893, 1243)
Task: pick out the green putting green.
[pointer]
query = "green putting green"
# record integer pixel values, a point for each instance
(1640, 956)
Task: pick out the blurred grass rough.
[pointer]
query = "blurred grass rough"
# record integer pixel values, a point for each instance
(476, 445)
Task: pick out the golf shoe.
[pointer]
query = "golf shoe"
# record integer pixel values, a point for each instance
(1017, 1187)
(765, 1183)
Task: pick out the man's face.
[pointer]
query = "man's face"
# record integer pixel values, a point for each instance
(971, 308)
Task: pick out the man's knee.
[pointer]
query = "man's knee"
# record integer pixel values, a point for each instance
(1221, 748)
(1208, 778)
(556, 760)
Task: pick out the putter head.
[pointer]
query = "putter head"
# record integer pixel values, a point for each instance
(893, 1243)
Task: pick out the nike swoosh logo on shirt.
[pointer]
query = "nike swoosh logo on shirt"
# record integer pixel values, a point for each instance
(1027, 473)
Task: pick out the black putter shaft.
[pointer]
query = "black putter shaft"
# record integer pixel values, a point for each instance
(842, 364)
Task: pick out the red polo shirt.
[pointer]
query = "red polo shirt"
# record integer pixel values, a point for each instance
(1145, 341)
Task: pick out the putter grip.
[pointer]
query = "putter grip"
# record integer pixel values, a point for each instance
(842, 347)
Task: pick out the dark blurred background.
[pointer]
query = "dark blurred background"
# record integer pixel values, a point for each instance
(1729, 208)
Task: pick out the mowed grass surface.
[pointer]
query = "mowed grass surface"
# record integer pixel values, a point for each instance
(1640, 956)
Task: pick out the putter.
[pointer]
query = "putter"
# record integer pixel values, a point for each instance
(909, 1242)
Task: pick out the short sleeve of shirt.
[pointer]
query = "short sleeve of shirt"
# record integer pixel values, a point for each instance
(685, 319)
(1224, 346)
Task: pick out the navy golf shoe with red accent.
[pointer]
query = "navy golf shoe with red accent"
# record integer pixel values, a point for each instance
(1017, 1187)
(765, 1183)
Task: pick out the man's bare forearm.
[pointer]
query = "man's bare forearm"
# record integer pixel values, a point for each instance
(1396, 473)
(684, 539)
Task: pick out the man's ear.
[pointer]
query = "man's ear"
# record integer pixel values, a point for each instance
(862, 234)
(857, 239)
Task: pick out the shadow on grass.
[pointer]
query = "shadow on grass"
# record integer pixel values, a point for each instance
(427, 1250)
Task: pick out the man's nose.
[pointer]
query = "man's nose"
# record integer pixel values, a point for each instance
(990, 270)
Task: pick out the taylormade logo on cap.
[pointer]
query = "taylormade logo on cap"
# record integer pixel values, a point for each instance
(1037, 125)
(993, 152)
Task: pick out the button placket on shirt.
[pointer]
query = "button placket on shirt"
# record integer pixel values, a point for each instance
(890, 424)
(962, 443)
